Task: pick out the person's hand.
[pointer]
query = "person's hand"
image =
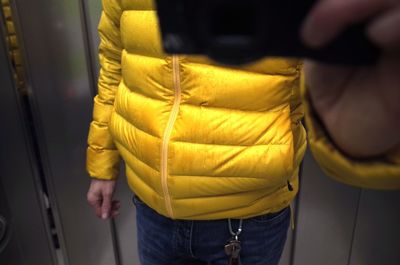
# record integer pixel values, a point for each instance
(100, 196)
(359, 106)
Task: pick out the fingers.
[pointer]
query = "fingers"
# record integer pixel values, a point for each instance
(384, 31)
(116, 205)
(330, 17)
(100, 196)
(109, 207)
(95, 200)
(106, 206)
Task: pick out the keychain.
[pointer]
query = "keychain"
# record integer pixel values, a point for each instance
(233, 247)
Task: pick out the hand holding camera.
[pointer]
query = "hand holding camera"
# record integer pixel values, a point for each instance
(359, 106)
(237, 32)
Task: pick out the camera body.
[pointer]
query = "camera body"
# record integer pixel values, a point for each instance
(241, 31)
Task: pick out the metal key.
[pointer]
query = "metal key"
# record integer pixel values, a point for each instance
(232, 250)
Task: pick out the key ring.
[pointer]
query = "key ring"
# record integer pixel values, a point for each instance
(235, 235)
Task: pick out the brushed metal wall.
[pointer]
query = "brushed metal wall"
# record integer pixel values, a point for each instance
(21, 201)
(52, 36)
(335, 224)
(376, 237)
(326, 220)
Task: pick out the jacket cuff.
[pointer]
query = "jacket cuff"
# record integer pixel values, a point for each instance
(102, 164)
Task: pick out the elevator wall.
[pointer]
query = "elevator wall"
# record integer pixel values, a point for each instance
(334, 224)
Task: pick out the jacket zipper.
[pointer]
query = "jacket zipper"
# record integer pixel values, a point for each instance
(168, 131)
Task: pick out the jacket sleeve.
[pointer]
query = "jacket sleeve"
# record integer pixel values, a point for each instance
(377, 173)
(102, 156)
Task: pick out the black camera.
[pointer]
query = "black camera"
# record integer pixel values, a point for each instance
(241, 31)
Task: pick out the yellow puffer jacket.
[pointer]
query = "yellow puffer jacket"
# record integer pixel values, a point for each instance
(200, 141)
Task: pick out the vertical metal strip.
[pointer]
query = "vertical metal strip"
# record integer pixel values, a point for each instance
(88, 43)
(354, 226)
(296, 218)
(115, 242)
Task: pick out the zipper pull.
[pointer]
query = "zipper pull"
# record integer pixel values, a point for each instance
(290, 187)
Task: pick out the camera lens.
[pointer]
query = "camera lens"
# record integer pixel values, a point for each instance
(233, 22)
(231, 31)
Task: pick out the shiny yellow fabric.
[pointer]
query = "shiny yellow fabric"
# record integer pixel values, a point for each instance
(237, 139)
(378, 174)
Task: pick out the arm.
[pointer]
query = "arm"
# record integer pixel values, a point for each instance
(102, 156)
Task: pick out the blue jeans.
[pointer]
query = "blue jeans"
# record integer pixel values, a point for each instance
(163, 241)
